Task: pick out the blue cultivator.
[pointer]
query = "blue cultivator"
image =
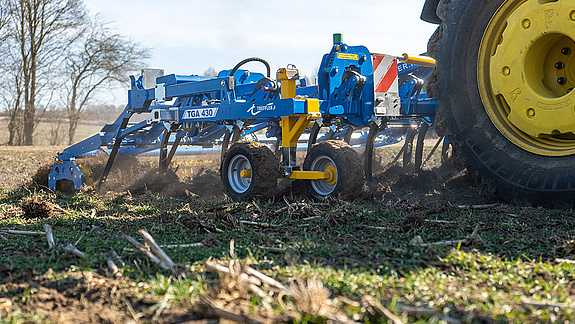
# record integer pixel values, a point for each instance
(356, 90)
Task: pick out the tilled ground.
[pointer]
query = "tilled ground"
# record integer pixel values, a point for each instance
(85, 291)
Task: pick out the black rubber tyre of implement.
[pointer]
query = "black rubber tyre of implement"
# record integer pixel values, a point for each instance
(350, 178)
(264, 167)
(507, 170)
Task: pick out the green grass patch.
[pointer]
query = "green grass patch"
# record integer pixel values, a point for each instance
(507, 273)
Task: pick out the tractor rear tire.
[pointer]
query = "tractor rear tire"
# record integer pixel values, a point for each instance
(518, 167)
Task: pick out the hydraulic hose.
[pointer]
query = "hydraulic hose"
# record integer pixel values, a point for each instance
(252, 59)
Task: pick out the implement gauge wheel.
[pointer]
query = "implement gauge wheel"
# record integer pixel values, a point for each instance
(249, 170)
(344, 163)
(505, 75)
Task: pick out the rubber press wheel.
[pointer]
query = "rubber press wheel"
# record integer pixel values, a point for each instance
(505, 74)
(249, 170)
(345, 167)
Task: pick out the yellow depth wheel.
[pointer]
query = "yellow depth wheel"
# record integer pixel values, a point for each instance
(526, 74)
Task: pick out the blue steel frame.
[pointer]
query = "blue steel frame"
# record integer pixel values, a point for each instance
(200, 110)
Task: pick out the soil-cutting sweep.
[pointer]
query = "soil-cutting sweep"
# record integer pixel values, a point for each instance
(500, 94)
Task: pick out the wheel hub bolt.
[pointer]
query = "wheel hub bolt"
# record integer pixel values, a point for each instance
(562, 80)
(559, 65)
(569, 90)
(526, 23)
(566, 51)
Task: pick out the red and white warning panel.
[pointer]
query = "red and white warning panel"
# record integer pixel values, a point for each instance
(386, 84)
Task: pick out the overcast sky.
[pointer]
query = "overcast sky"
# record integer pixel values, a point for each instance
(189, 36)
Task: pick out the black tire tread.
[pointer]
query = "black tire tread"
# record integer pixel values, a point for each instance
(264, 164)
(511, 173)
(350, 170)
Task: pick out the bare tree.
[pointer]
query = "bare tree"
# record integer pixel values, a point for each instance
(3, 20)
(11, 94)
(100, 59)
(10, 98)
(312, 80)
(40, 31)
(210, 72)
(55, 120)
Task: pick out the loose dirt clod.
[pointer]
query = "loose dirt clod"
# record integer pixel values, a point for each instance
(36, 207)
(40, 178)
(167, 184)
(206, 184)
(413, 221)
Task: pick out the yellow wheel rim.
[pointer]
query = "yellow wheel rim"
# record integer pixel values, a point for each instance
(526, 74)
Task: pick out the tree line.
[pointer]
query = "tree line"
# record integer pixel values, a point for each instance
(55, 55)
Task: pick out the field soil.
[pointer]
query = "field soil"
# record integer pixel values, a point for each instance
(19, 164)
(371, 243)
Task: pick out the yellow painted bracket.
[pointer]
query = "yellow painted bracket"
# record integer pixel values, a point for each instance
(313, 108)
(287, 77)
(329, 175)
(307, 175)
(293, 126)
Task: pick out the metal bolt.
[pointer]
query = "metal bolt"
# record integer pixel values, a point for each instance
(530, 112)
(562, 80)
(569, 90)
(506, 70)
(566, 51)
(559, 65)
(526, 23)
(572, 15)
